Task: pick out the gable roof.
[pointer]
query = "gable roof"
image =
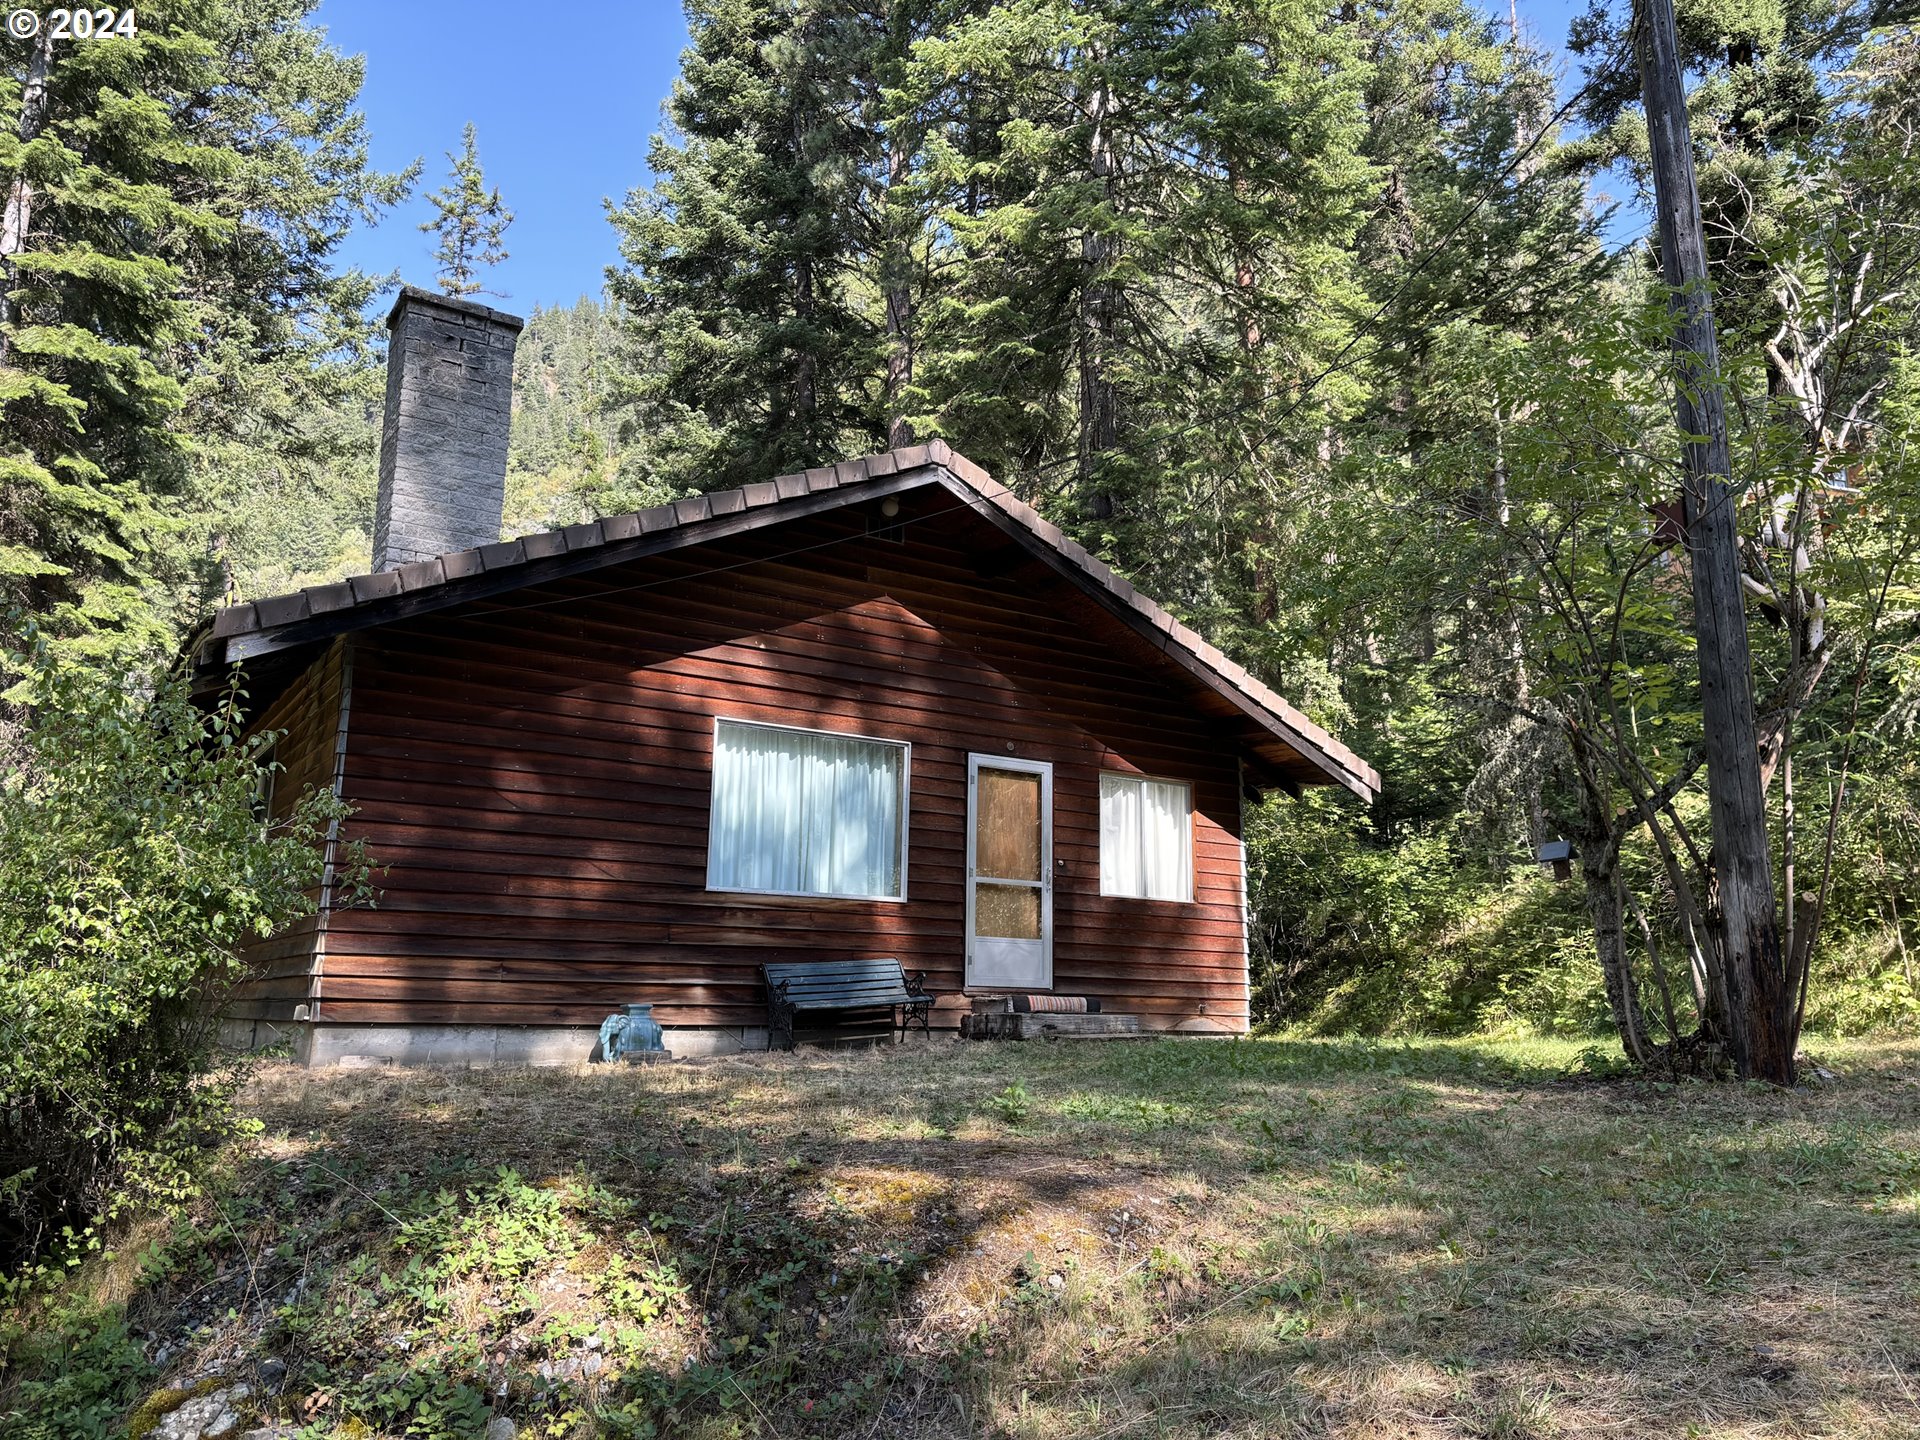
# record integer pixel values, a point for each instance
(1296, 750)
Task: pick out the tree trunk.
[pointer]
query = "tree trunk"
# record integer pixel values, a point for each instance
(1515, 640)
(1599, 870)
(896, 272)
(805, 395)
(1598, 840)
(1099, 402)
(1759, 1020)
(17, 222)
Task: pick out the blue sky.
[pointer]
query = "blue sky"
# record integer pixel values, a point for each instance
(565, 101)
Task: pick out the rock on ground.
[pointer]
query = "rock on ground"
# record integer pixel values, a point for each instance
(211, 1416)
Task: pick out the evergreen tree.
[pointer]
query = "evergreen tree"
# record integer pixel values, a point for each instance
(748, 260)
(173, 199)
(471, 222)
(565, 462)
(1143, 216)
(1764, 85)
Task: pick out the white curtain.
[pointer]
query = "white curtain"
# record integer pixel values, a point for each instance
(1146, 838)
(1165, 831)
(1120, 836)
(804, 813)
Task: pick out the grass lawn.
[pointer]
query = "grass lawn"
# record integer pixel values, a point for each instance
(1163, 1238)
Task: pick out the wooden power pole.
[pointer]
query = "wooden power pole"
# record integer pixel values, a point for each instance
(1759, 1002)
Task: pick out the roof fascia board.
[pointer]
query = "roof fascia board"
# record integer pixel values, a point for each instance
(413, 604)
(1168, 644)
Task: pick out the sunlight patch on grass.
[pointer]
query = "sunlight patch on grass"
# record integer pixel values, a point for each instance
(1267, 1237)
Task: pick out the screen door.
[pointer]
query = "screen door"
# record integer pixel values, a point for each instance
(1009, 874)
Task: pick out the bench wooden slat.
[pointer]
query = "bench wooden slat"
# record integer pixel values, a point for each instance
(834, 972)
(827, 997)
(810, 983)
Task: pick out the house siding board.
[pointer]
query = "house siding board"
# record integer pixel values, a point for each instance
(535, 774)
(308, 711)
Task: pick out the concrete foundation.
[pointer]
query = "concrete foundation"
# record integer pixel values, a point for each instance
(462, 1046)
(466, 1046)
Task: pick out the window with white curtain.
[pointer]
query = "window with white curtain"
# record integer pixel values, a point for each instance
(806, 812)
(1146, 838)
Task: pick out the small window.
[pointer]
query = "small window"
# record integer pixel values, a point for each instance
(1146, 838)
(807, 812)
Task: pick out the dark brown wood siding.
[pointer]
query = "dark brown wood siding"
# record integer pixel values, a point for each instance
(534, 773)
(308, 714)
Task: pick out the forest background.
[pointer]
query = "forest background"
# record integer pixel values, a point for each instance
(1302, 318)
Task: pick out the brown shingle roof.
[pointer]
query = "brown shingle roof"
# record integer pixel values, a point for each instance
(240, 632)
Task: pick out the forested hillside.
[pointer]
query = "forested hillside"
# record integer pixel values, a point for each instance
(1313, 328)
(1307, 321)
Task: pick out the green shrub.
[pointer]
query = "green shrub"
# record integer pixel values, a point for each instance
(84, 1370)
(1356, 932)
(1013, 1104)
(134, 865)
(1864, 982)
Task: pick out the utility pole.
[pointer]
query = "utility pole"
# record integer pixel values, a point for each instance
(1759, 1029)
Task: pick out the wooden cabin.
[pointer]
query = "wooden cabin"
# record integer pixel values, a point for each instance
(879, 709)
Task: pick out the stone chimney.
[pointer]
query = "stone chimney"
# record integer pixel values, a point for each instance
(443, 444)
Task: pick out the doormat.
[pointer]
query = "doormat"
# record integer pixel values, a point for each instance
(1055, 1005)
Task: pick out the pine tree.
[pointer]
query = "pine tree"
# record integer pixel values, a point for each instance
(749, 261)
(1142, 214)
(471, 222)
(167, 262)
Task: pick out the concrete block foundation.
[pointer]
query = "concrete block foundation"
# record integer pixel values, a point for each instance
(462, 1046)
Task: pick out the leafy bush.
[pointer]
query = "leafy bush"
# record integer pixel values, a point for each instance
(1865, 982)
(134, 865)
(83, 1370)
(1357, 933)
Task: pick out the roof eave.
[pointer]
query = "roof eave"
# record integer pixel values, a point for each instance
(249, 631)
(1336, 764)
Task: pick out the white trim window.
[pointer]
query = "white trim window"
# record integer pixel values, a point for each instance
(1146, 838)
(807, 812)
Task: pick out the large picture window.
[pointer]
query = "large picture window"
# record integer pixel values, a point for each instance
(1146, 838)
(805, 812)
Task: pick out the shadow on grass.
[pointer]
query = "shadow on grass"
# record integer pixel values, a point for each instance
(1350, 1239)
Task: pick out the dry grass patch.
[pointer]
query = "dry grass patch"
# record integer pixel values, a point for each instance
(1170, 1239)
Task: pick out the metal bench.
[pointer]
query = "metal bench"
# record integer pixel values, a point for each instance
(815, 985)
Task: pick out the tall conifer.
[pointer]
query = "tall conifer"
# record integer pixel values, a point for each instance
(748, 259)
(470, 219)
(169, 281)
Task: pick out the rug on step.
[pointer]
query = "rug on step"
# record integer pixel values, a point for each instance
(1055, 1005)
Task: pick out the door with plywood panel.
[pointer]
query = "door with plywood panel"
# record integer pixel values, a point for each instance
(1009, 873)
